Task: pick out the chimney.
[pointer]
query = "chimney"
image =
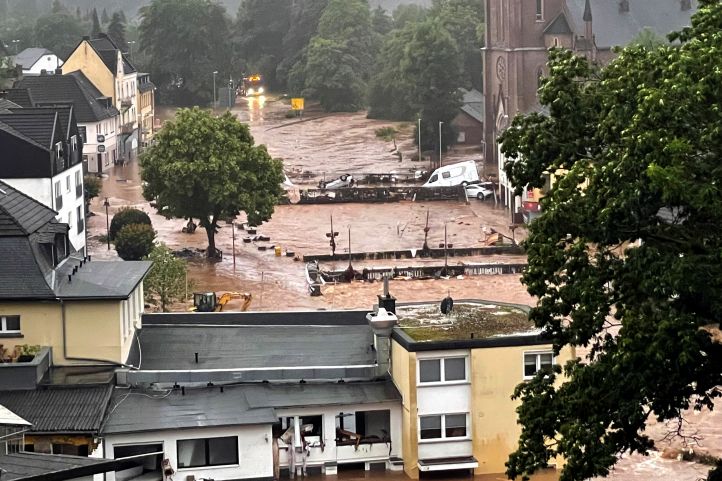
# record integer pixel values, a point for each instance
(387, 301)
(623, 6)
(58, 71)
(382, 324)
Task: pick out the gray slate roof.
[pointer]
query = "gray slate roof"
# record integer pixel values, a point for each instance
(20, 214)
(219, 347)
(5, 104)
(137, 411)
(108, 52)
(28, 57)
(22, 97)
(473, 104)
(100, 279)
(73, 88)
(37, 124)
(20, 275)
(134, 411)
(612, 28)
(32, 466)
(60, 410)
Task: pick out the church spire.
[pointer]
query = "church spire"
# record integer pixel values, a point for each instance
(587, 11)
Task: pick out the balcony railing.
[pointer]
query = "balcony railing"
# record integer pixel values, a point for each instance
(126, 129)
(126, 103)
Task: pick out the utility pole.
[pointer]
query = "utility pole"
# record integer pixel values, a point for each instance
(440, 163)
(332, 235)
(418, 130)
(213, 103)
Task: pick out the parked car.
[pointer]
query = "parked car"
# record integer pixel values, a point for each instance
(346, 180)
(480, 191)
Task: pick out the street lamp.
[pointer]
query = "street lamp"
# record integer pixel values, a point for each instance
(230, 87)
(130, 45)
(106, 204)
(418, 129)
(16, 42)
(440, 124)
(213, 104)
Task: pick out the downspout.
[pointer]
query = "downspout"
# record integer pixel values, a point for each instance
(65, 345)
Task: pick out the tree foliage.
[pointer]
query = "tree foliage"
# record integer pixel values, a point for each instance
(208, 168)
(59, 32)
(166, 281)
(407, 13)
(258, 34)
(303, 26)
(626, 255)
(116, 31)
(648, 38)
(185, 41)
(340, 56)
(134, 241)
(126, 216)
(432, 66)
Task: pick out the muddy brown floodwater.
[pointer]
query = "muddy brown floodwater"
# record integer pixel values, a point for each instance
(330, 146)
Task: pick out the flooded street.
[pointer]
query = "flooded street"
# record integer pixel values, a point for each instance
(330, 146)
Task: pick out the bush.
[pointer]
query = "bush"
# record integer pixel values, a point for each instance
(91, 186)
(386, 133)
(127, 216)
(134, 241)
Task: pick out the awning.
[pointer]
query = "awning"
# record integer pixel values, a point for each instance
(446, 464)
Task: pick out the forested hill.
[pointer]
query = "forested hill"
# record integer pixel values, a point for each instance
(130, 7)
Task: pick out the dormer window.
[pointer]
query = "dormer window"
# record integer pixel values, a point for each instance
(58, 150)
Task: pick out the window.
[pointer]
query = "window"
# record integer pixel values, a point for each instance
(81, 221)
(9, 324)
(70, 449)
(78, 183)
(536, 361)
(434, 178)
(83, 133)
(70, 219)
(443, 426)
(67, 184)
(450, 369)
(446, 175)
(58, 196)
(539, 10)
(193, 453)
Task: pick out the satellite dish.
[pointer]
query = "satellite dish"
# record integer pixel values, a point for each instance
(447, 305)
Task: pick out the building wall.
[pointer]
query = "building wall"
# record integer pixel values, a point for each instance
(94, 329)
(85, 59)
(495, 374)
(473, 130)
(255, 453)
(403, 373)
(48, 62)
(109, 129)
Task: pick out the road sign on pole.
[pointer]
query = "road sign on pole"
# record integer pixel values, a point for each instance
(297, 104)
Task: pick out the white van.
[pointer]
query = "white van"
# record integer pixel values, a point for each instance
(454, 174)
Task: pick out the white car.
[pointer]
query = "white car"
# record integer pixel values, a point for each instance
(480, 191)
(346, 180)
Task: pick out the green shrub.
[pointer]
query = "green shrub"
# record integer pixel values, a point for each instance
(134, 241)
(126, 216)
(386, 133)
(92, 186)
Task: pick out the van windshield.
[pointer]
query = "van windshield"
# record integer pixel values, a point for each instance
(434, 178)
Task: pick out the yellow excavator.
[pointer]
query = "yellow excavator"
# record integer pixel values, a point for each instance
(210, 302)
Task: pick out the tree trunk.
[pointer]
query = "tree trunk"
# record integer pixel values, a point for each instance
(211, 252)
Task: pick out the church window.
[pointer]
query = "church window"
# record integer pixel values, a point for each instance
(539, 10)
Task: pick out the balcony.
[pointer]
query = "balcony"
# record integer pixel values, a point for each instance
(126, 103)
(126, 129)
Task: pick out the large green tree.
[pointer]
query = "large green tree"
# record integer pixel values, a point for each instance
(208, 168)
(464, 20)
(340, 56)
(59, 32)
(167, 280)
(184, 42)
(432, 67)
(258, 34)
(304, 23)
(626, 257)
(388, 87)
(116, 31)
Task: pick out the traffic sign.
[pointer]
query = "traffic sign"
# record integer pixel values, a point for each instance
(297, 104)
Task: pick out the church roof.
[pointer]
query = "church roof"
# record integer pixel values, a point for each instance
(558, 26)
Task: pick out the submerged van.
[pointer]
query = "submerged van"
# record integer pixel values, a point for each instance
(454, 174)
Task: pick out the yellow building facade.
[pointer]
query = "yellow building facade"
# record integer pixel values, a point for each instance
(482, 376)
(87, 60)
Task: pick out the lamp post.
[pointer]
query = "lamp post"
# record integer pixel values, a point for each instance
(418, 130)
(440, 124)
(16, 42)
(213, 103)
(106, 204)
(130, 45)
(230, 87)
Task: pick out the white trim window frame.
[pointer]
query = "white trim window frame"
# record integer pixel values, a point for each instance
(4, 323)
(539, 10)
(538, 362)
(443, 431)
(443, 374)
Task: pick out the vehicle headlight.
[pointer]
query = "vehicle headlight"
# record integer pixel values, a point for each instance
(260, 90)
(251, 91)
